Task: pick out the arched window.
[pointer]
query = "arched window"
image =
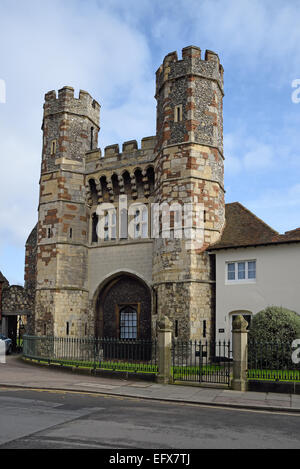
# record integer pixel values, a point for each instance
(115, 185)
(139, 183)
(94, 193)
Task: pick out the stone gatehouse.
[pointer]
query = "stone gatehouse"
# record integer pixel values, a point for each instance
(113, 271)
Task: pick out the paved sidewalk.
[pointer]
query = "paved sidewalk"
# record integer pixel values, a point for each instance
(18, 373)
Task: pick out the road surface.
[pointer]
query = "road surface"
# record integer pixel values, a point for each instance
(59, 419)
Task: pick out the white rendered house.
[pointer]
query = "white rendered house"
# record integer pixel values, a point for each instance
(255, 267)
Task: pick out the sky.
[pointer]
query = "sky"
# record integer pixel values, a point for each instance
(112, 48)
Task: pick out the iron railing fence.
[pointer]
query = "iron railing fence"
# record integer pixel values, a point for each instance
(272, 361)
(103, 353)
(201, 361)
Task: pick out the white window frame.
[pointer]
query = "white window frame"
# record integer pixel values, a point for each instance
(139, 225)
(236, 280)
(110, 225)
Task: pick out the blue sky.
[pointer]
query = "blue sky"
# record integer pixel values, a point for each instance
(112, 49)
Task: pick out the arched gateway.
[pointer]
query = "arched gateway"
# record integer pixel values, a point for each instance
(123, 308)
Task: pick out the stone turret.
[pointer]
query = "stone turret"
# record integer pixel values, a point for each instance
(189, 170)
(70, 126)
(70, 129)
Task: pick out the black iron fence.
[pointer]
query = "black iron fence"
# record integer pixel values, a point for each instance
(272, 361)
(104, 353)
(201, 361)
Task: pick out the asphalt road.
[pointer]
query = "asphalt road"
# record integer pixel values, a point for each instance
(41, 419)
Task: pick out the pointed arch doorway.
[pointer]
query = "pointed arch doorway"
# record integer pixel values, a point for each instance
(123, 308)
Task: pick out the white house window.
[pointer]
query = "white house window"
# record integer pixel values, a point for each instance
(241, 271)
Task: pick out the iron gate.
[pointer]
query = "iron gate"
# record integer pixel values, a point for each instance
(201, 361)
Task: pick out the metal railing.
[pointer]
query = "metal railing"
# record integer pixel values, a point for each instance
(272, 361)
(201, 361)
(103, 353)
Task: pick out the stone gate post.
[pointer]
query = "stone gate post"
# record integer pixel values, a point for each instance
(240, 353)
(164, 350)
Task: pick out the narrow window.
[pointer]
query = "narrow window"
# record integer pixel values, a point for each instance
(49, 232)
(92, 137)
(204, 328)
(53, 147)
(85, 329)
(45, 329)
(205, 216)
(178, 113)
(71, 233)
(67, 328)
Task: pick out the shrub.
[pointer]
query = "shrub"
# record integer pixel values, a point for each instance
(271, 335)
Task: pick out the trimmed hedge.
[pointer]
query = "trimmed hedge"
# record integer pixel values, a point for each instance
(271, 335)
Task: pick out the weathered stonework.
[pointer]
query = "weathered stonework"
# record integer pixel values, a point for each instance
(182, 163)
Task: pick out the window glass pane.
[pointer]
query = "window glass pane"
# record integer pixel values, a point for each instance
(113, 232)
(231, 271)
(145, 215)
(128, 323)
(241, 271)
(144, 230)
(252, 269)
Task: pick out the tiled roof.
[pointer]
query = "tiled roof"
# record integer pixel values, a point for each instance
(2, 278)
(243, 229)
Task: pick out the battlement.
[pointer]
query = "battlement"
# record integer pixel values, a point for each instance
(130, 151)
(131, 146)
(191, 63)
(65, 101)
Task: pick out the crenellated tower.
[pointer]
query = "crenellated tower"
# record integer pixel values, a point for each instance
(70, 129)
(189, 169)
(170, 272)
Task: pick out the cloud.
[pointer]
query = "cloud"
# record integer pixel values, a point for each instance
(49, 45)
(111, 48)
